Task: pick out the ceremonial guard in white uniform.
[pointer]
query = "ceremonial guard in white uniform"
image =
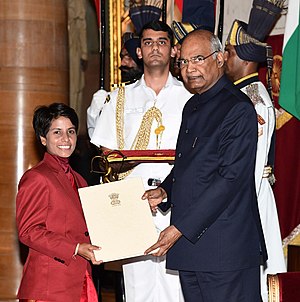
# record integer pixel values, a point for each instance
(244, 49)
(147, 115)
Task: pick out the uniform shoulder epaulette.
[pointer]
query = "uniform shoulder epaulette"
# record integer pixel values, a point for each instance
(123, 84)
(117, 85)
(253, 93)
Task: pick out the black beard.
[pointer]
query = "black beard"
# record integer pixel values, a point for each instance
(130, 74)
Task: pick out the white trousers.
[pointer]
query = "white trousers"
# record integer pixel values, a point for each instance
(148, 280)
(270, 225)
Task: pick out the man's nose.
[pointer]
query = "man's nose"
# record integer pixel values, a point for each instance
(190, 66)
(155, 45)
(123, 61)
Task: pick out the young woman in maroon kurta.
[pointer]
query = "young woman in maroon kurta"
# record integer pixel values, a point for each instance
(50, 220)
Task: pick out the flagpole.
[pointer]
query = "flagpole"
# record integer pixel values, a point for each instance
(221, 21)
(164, 11)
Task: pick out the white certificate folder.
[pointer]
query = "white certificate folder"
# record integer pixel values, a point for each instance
(118, 220)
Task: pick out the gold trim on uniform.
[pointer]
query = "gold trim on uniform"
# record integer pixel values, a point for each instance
(254, 74)
(142, 138)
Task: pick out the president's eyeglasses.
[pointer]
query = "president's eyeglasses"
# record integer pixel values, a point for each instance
(197, 60)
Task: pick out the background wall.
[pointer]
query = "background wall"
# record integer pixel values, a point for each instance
(33, 71)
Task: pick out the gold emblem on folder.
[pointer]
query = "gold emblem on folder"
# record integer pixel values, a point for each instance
(114, 199)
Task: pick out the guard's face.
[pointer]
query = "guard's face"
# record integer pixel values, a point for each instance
(178, 50)
(126, 59)
(155, 48)
(129, 69)
(200, 76)
(177, 55)
(233, 64)
(61, 138)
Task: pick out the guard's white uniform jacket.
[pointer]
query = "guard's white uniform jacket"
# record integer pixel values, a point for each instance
(266, 201)
(147, 280)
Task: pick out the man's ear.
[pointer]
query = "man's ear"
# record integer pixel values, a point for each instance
(43, 140)
(139, 53)
(173, 51)
(220, 59)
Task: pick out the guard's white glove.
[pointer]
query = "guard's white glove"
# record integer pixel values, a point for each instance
(93, 112)
(268, 173)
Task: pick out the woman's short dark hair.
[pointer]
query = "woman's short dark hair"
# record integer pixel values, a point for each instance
(159, 26)
(44, 115)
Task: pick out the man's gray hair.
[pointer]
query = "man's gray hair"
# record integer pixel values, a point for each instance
(216, 45)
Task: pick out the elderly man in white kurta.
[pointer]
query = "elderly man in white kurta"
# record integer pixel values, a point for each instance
(155, 101)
